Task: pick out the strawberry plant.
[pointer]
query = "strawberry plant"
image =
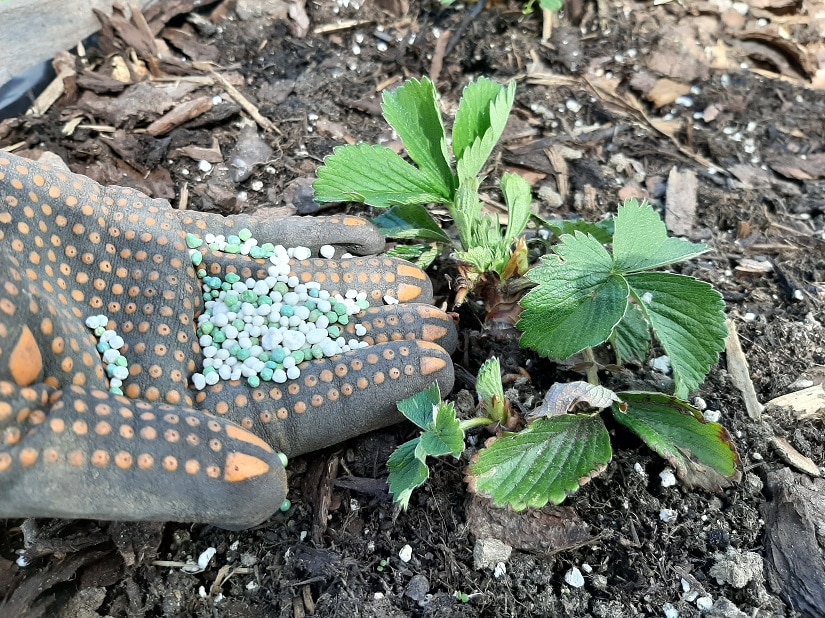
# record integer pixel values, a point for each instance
(583, 294)
(586, 295)
(441, 432)
(451, 176)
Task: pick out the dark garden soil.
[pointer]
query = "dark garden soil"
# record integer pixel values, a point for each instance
(715, 116)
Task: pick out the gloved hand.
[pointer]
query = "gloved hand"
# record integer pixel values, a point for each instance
(71, 249)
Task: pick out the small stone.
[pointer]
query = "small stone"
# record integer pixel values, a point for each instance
(550, 197)
(405, 554)
(574, 578)
(704, 604)
(668, 515)
(418, 588)
(204, 165)
(389, 300)
(667, 477)
(206, 557)
(489, 552)
(327, 251)
(726, 608)
(661, 364)
(712, 416)
(753, 483)
(670, 611)
(500, 570)
(737, 567)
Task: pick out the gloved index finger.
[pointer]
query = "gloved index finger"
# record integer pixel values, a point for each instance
(346, 233)
(384, 279)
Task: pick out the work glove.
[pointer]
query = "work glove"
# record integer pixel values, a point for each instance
(78, 259)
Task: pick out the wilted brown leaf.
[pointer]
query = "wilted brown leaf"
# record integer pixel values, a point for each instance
(562, 398)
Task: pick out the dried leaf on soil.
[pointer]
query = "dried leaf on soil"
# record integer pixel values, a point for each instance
(562, 398)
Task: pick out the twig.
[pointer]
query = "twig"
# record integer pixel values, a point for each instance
(342, 25)
(548, 21)
(438, 55)
(738, 372)
(246, 104)
(183, 202)
(480, 5)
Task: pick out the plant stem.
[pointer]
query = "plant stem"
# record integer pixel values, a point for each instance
(472, 423)
(592, 370)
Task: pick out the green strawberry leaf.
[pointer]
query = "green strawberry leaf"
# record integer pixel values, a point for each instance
(472, 119)
(687, 317)
(420, 255)
(410, 221)
(474, 156)
(640, 240)
(517, 196)
(546, 462)
(482, 259)
(466, 212)
(377, 176)
(419, 407)
(577, 302)
(412, 110)
(490, 389)
(552, 5)
(702, 453)
(406, 472)
(443, 435)
(631, 337)
(600, 230)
